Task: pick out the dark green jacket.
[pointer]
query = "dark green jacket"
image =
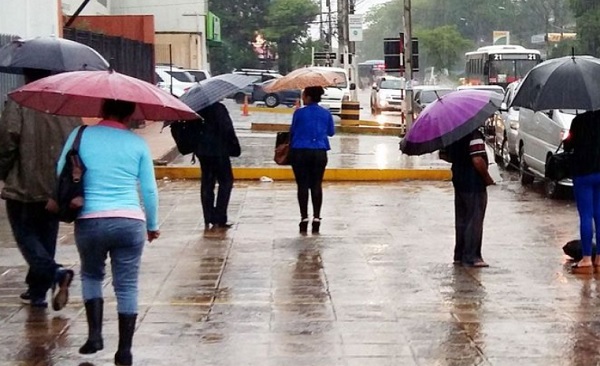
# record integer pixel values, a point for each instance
(30, 145)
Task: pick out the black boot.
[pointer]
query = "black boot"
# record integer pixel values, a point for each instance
(123, 356)
(93, 312)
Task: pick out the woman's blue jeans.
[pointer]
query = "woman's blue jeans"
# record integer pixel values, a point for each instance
(587, 194)
(121, 238)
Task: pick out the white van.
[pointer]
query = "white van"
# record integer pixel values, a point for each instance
(540, 135)
(333, 97)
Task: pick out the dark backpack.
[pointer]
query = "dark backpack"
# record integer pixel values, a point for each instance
(187, 135)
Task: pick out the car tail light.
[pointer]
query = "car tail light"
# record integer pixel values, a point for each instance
(564, 134)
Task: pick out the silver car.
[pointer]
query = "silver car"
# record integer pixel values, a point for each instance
(506, 131)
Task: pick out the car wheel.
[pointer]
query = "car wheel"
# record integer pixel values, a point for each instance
(526, 176)
(240, 98)
(271, 100)
(506, 158)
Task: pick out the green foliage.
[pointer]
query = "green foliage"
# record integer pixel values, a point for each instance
(563, 48)
(288, 22)
(443, 47)
(385, 21)
(588, 26)
(240, 19)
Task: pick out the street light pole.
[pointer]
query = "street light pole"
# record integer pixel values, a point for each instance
(408, 63)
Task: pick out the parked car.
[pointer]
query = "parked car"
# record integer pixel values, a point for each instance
(174, 80)
(387, 94)
(506, 131)
(540, 135)
(262, 76)
(272, 100)
(426, 94)
(333, 97)
(199, 75)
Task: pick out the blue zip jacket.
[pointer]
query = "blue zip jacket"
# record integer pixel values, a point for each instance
(311, 126)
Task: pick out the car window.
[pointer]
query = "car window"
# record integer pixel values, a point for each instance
(342, 83)
(391, 84)
(198, 75)
(158, 78)
(428, 96)
(181, 76)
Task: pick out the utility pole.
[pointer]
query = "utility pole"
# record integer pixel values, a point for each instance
(408, 63)
(340, 30)
(321, 20)
(352, 51)
(330, 32)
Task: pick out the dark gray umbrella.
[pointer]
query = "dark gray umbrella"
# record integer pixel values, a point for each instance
(215, 89)
(49, 53)
(571, 82)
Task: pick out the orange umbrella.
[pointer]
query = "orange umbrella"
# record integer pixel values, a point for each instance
(304, 78)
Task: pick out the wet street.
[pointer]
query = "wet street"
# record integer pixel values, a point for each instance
(376, 287)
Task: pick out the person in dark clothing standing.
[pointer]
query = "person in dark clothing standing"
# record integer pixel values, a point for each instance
(217, 144)
(584, 142)
(470, 177)
(311, 126)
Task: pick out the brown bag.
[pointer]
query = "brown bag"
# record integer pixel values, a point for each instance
(282, 148)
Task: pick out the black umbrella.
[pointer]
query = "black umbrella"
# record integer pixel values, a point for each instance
(49, 53)
(571, 82)
(214, 89)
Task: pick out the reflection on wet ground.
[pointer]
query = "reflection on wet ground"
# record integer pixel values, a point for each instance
(376, 287)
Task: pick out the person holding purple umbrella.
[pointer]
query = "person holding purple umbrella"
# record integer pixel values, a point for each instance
(470, 178)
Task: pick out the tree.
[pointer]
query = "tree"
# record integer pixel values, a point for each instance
(443, 47)
(240, 19)
(288, 23)
(587, 13)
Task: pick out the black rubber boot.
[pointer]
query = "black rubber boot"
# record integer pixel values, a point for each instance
(123, 356)
(93, 311)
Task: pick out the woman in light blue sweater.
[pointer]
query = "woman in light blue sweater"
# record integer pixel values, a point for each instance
(112, 221)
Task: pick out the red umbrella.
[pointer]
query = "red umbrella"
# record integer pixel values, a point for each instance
(81, 93)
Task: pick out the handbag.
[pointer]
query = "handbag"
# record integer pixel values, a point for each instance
(282, 148)
(69, 193)
(558, 166)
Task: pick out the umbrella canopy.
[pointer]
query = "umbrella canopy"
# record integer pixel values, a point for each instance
(571, 82)
(49, 53)
(81, 94)
(304, 78)
(448, 119)
(215, 89)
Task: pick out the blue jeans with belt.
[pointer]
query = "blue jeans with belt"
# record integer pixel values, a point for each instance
(587, 194)
(124, 240)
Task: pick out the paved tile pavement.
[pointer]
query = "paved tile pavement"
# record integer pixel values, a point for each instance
(376, 287)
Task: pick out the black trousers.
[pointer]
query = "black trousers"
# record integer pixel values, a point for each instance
(469, 210)
(215, 169)
(309, 167)
(35, 231)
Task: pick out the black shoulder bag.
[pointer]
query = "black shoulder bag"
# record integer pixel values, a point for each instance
(558, 166)
(69, 195)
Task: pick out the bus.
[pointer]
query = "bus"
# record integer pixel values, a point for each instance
(499, 65)
(369, 71)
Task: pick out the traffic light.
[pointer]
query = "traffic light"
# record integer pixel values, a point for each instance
(393, 51)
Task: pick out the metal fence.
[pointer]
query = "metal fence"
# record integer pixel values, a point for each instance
(8, 82)
(129, 57)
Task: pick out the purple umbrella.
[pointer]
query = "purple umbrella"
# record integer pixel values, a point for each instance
(449, 119)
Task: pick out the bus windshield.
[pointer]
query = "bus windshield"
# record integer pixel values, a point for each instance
(507, 71)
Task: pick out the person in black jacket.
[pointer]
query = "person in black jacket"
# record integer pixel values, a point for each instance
(584, 142)
(218, 142)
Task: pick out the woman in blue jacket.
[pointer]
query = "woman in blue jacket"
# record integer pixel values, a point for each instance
(311, 126)
(112, 221)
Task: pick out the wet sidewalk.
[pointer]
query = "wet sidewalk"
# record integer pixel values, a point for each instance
(376, 287)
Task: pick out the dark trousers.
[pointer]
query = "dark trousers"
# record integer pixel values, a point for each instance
(309, 168)
(469, 210)
(215, 169)
(35, 231)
